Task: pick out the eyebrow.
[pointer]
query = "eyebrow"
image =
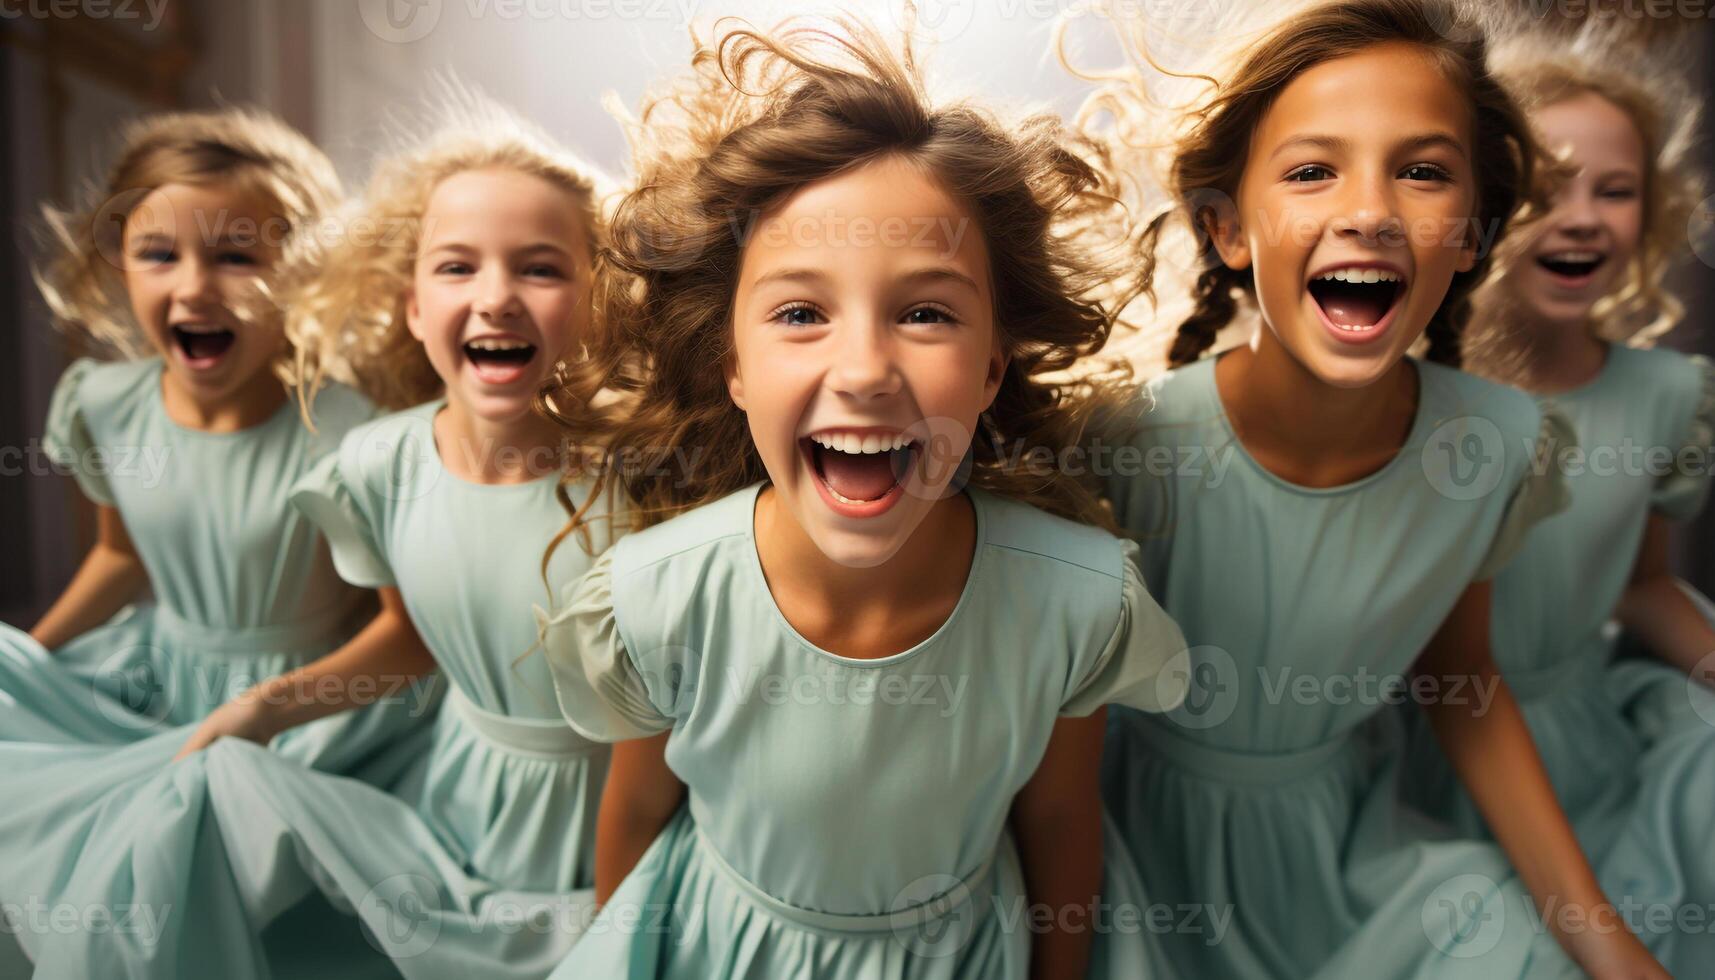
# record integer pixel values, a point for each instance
(456, 246)
(1422, 141)
(932, 274)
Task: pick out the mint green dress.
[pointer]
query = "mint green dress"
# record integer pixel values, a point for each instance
(1271, 795)
(244, 588)
(1629, 744)
(479, 862)
(848, 818)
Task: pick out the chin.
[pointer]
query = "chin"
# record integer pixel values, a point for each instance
(851, 548)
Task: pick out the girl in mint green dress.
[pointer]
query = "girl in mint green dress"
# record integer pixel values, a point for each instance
(189, 456)
(471, 861)
(856, 669)
(1628, 743)
(1322, 515)
(478, 861)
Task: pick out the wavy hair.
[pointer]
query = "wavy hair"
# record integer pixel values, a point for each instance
(759, 116)
(81, 277)
(346, 301)
(1647, 84)
(1192, 126)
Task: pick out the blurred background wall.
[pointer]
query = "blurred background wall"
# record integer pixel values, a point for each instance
(73, 71)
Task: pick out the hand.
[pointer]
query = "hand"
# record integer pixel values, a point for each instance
(242, 717)
(1613, 953)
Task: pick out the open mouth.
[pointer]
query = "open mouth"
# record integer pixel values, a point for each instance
(860, 473)
(499, 360)
(201, 345)
(1575, 268)
(1357, 303)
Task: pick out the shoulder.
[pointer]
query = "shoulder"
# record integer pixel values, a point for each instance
(1456, 404)
(693, 533)
(337, 409)
(371, 453)
(103, 388)
(1045, 543)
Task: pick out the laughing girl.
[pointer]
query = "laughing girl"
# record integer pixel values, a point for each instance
(861, 659)
(1345, 175)
(1569, 319)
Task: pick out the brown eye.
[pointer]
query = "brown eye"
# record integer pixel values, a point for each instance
(1309, 173)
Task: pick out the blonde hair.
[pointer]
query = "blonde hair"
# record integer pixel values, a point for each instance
(1647, 85)
(346, 304)
(1188, 127)
(81, 277)
(761, 115)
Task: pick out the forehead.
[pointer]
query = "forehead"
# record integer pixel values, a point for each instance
(194, 208)
(1383, 92)
(501, 203)
(1590, 130)
(885, 210)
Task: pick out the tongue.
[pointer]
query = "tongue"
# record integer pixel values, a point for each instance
(1359, 306)
(857, 476)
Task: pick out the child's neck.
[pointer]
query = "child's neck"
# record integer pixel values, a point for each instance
(1556, 357)
(874, 612)
(249, 405)
(1305, 430)
(480, 450)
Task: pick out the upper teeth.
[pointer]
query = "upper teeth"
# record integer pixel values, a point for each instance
(851, 443)
(497, 343)
(1360, 275)
(1574, 257)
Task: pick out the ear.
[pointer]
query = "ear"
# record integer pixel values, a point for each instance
(413, 314)
(1219, 219)
(997, 365)
(734, 383)
(1469, 248)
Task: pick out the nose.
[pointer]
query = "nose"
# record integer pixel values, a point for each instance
(1370, 214)
(1575, 214)
(864, 366)
(496, 299)
(194, 283)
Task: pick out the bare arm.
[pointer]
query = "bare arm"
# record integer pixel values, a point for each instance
(1057, 824)
(1494, 755)
(111, 575)
(1656, 608)
(641, 795)
(380, 661)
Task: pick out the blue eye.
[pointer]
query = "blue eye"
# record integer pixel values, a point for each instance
(1309, 173)
(1426, 171)
(1620, 194)
(156, 256)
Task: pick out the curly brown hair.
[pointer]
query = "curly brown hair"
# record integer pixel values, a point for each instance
(1208, 154)
(761, 115)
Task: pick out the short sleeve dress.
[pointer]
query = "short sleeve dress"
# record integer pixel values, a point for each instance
(1628, 743)
(244, 588)
(1266, 805)
(847, 818)
(478, 862)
